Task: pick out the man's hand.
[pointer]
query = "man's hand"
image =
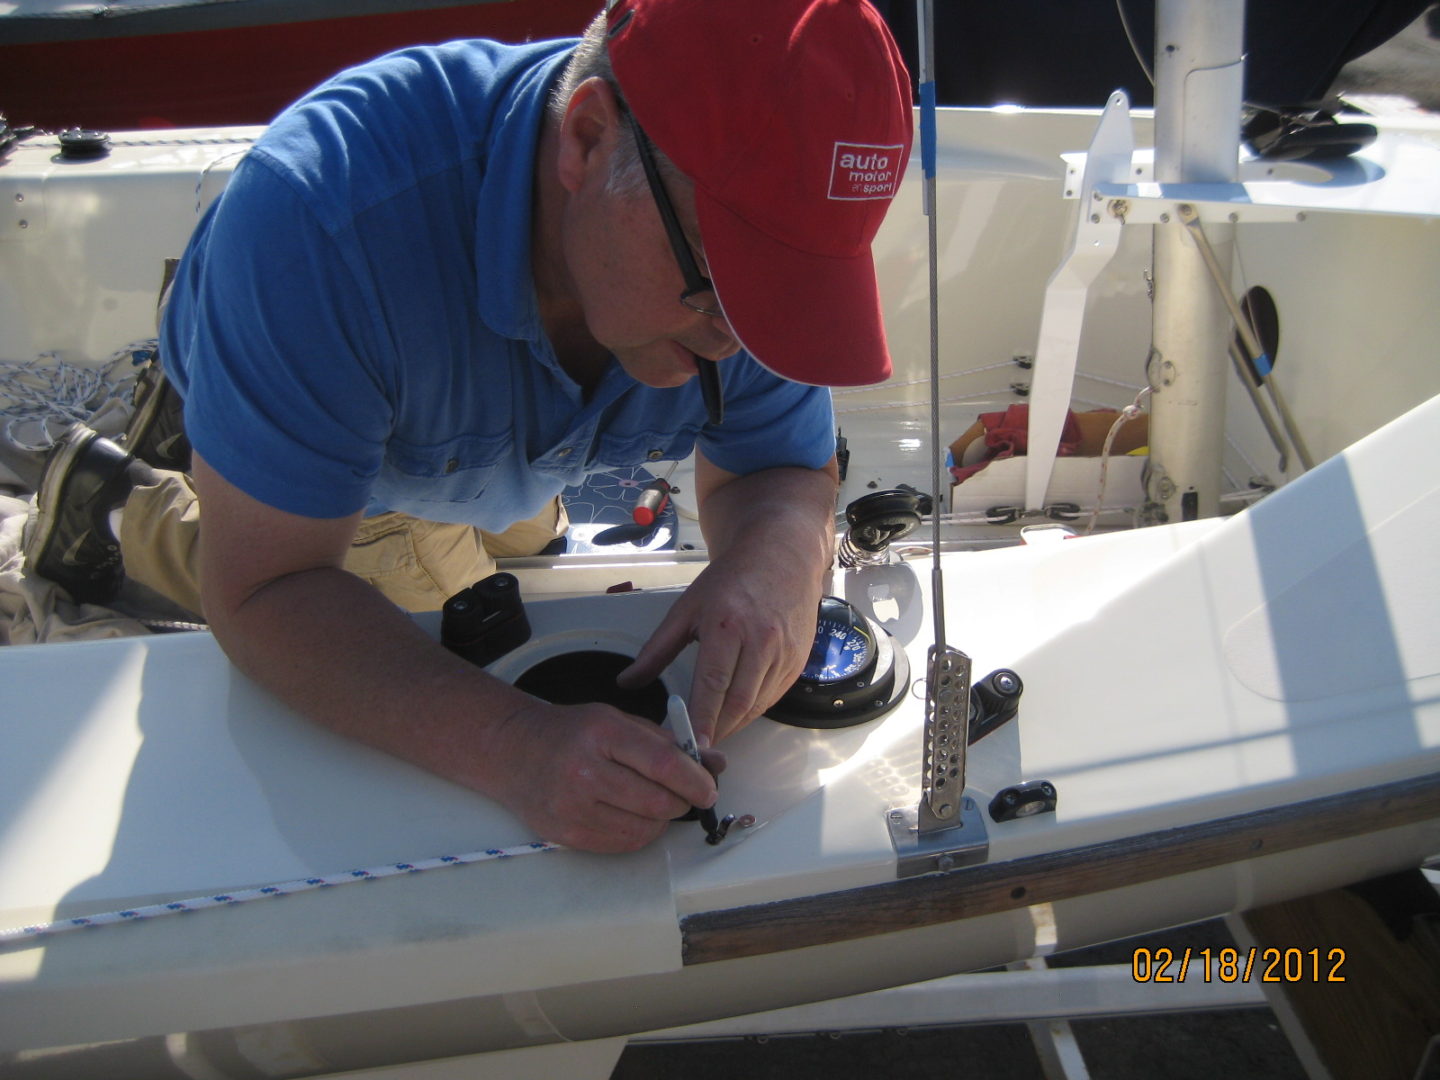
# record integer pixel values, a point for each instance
(755, 623)
(592, 777)
(753, 609)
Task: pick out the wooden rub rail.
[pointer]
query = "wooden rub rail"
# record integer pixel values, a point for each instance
(985, 890)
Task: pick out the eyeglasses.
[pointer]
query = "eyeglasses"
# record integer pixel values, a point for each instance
(699, 294)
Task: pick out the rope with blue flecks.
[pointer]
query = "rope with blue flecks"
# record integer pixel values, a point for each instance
(49, 389)
(40, 931)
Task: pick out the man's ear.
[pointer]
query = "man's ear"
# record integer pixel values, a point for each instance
(588, 133)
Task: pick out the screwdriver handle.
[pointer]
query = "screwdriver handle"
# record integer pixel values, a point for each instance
(653, 499)
(652, 502)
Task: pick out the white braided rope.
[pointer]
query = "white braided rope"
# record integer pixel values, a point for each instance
(1121, 383)
(49, 390)
(21, 935)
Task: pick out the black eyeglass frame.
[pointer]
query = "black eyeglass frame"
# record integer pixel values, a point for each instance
(695, 281)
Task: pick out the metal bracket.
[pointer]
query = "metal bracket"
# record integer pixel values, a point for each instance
(929, 849)
(947, 718)
(1267, 191)
(1062, 317)
(945, 829)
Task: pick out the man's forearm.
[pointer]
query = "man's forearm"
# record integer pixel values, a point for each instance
(333, 648)
(586, 776)
(783, 514)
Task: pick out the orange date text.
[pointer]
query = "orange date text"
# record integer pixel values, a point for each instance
(1228, 965)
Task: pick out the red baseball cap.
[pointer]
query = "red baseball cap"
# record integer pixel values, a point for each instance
(793, 119)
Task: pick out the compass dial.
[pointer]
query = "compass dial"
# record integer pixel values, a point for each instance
(855, 672)
(842, 648)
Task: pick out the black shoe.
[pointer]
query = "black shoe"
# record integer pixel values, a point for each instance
(67, 538)
(156, 432)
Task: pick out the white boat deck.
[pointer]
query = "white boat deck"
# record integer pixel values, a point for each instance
(195, 781)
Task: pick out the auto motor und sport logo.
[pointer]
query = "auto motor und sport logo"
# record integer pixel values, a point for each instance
(861, 171)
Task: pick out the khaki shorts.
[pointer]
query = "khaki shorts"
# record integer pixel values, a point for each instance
(416, 564)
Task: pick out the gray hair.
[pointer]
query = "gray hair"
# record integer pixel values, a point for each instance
(591, 59)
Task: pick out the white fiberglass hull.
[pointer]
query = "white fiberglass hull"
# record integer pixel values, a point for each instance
(1187, 688)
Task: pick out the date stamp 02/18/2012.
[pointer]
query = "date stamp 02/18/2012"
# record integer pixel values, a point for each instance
(1268, 965)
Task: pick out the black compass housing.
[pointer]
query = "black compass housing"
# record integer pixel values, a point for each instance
(855, 673)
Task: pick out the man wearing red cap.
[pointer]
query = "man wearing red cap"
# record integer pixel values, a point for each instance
(451, 282)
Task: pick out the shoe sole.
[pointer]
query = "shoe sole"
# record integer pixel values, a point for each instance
(148, 413)
(144, 417)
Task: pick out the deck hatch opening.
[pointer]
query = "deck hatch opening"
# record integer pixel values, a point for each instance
(579, 678)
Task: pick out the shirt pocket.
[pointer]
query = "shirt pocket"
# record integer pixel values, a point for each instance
(459, 470)
(623, 451)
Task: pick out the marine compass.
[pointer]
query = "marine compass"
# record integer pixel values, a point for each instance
(854, 672)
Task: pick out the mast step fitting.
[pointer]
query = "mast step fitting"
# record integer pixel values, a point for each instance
(962, 842)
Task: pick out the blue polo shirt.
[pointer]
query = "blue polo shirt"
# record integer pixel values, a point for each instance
(354, 323)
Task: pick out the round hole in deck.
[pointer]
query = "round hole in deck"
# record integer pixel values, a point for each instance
(579, 678)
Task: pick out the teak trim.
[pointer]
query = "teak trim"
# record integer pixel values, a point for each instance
(908, 903)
